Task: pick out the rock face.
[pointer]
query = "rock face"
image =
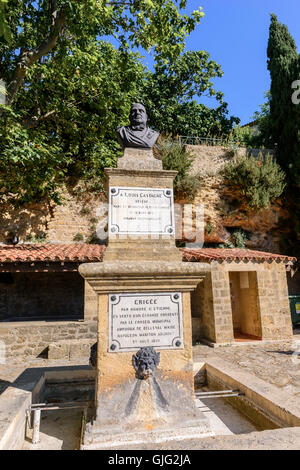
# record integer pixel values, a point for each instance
(224, 210)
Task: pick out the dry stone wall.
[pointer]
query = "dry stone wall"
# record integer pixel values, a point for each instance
(34, 338)
(75, 219)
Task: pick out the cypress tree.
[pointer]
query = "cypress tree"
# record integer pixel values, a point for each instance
(284, 67)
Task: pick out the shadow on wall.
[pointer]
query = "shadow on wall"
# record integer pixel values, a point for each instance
(29, 222)
(41, 296)
(75, 219)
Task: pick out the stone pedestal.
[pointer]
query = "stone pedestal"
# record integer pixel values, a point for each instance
(143, 291)
(126, 405)
(139, 159)
(139, 172)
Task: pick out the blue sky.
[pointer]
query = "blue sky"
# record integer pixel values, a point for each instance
(235, 33)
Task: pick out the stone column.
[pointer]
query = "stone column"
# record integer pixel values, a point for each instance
(274, 302)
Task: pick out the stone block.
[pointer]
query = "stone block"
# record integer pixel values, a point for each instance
(58, 350)
(80, 349)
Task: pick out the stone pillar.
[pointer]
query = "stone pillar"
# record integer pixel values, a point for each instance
(274, 302)
(222, 303)
(214, 303)
(90, 303)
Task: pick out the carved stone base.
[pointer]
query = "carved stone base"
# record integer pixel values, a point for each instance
(139, 159)
(121, 250)
(145, 409)
(94, 441)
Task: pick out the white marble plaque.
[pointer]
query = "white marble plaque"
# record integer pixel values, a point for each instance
(145, 319)
(139, 211)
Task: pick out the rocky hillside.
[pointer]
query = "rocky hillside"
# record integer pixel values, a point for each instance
(225, 211)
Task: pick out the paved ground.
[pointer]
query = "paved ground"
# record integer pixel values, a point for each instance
(60, 430)
(12, 369)
(279, 439)
(276, 363)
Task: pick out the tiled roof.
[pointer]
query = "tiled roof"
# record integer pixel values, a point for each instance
(232, 254)
(52, 252)
(83, 252)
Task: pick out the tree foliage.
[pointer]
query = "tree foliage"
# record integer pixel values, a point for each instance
(170, 91)
(46, 28)
(284, 122)
(264, 121)
(283, 64)
(175, 157)
(5, 32)
(245, 137)
(68, 87)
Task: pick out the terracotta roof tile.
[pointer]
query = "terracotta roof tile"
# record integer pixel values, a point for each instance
(83, 252)
(232, 254)
(51, 252)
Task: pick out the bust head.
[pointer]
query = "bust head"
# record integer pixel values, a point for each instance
(138, 134)
(138, 116)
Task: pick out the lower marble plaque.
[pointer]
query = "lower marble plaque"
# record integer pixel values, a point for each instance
(145, 319)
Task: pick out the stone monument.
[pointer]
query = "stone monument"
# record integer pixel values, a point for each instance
(144, 364)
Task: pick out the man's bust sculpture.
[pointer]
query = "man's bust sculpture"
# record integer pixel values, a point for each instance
(137, 135)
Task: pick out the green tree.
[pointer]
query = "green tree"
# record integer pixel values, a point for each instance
(170, 93)
(283, 64)
(40, 30)
(263, 118)
(68, 88)
(5, 32)
(284, 67)
(64, 124)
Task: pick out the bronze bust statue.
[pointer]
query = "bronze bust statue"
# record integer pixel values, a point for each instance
(137, 135)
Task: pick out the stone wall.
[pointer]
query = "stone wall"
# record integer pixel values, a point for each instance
(44, 295)
(234, 279)
(33, 339)
(202, 309)
(211, 159)
(223, 216)
(75, 219)
(221, 303)
(90, 303)
(263, 305)
(82, 213)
